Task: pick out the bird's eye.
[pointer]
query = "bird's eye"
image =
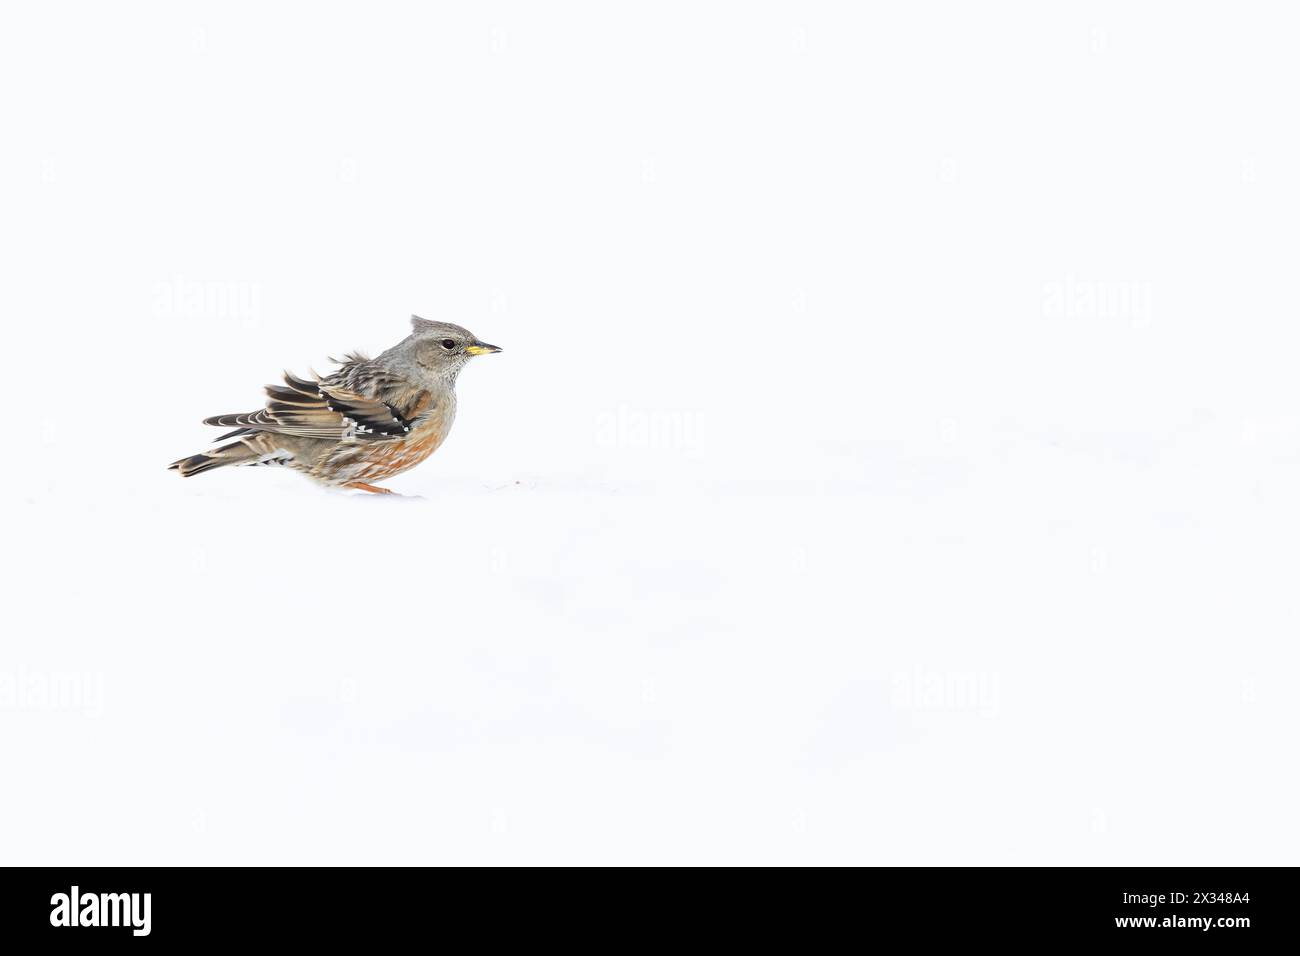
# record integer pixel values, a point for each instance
(448, 344)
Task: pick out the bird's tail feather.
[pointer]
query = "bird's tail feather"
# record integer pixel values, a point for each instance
(236, 453)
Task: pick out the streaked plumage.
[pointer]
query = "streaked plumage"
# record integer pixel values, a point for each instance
(370, 420)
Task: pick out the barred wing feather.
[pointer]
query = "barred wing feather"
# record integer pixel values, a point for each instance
(319, 409)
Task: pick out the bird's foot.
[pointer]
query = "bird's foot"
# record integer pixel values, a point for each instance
(373, 489)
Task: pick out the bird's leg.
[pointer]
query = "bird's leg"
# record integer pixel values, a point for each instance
(373, 489)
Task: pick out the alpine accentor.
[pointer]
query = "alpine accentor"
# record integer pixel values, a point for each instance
(370, 420)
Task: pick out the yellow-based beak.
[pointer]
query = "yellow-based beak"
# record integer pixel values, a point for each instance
(481, 348)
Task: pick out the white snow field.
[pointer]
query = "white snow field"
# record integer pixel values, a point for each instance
(894, 458)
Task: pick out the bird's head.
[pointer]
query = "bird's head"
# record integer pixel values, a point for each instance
(441, 349)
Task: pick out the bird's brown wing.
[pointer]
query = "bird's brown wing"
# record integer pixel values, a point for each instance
(319, 410)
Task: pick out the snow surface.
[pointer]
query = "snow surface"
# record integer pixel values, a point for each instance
(893, 458)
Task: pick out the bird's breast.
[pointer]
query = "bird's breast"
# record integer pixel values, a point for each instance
(430, 425)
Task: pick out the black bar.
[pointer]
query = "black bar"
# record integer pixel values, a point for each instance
(1225, 907)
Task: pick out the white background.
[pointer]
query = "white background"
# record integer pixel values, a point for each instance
(894, 457)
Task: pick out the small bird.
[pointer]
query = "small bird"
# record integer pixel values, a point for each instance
(370, 420)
